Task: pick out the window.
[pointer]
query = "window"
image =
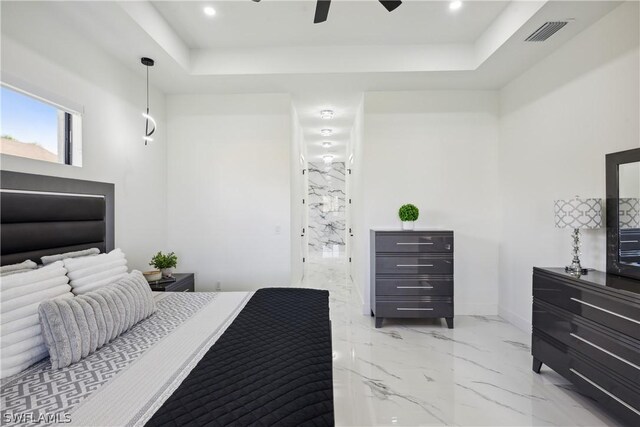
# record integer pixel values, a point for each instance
(37, 129)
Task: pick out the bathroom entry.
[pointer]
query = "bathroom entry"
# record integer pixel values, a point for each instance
(326, 210)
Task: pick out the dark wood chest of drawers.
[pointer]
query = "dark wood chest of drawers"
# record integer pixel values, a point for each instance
(588, 330)
(412, 275)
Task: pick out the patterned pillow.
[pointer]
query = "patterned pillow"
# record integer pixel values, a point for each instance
(21, 341)
(93, 272)
(74, 328)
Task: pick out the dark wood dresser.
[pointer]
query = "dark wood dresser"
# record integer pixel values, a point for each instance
(412, 274)
(588, 330)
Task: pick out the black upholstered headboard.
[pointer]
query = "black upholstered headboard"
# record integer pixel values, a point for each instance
(44, 215)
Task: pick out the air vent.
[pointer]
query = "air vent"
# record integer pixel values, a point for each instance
(545, 31)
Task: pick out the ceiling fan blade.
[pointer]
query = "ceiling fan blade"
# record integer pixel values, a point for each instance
(391, 5)
(322, 11)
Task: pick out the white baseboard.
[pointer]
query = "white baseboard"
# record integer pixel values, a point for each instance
(516, 320)
(477, 309)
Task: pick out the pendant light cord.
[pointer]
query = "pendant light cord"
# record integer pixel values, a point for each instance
(146, 122)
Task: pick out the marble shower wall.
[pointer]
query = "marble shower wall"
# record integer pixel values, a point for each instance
(327, 209)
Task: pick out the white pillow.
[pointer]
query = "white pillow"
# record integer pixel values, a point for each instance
(92, 272)
(75, 254)
(21, 342)
(23, 267)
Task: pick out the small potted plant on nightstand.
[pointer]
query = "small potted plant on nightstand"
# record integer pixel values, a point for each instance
(408, 215)
(165, 263)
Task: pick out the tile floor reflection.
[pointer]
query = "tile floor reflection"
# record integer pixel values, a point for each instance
(418, 372)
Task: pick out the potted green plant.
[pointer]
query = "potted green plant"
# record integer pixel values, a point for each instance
(408, 215)
(165, 263)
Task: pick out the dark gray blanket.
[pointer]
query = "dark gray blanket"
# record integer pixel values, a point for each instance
(272, 367)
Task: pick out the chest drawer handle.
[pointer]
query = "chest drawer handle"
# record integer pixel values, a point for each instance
(413, 309)
(414, 287)
(617, 399)
(416, 243)
(605, 310)
(628, 241)
(605, 351)
(414, 265)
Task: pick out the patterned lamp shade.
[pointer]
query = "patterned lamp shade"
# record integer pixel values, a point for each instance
(578, 213)
(629, 211)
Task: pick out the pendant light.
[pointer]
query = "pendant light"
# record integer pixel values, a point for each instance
(148, 131)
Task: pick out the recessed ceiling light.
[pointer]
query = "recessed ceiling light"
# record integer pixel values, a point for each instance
(209, 11)
(326, 114)
(326, 144)
(455, 5)
(326, 132)
(328, 158)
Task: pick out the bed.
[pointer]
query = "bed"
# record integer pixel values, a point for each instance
(232, 358)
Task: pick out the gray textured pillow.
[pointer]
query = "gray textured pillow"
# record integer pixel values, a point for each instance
(76, 327)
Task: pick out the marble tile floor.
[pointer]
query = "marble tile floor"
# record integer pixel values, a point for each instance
(328, 251)
(418, 372)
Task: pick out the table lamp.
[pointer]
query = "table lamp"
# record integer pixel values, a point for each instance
(578, 214)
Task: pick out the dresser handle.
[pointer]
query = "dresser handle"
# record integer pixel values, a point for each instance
(605, 351)
(413, 309)
(414, 287)
(414, 265)
(411, 243)
(628, 241)
(605, 310)
(617, 399)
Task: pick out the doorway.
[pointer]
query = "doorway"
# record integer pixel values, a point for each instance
(326, 209)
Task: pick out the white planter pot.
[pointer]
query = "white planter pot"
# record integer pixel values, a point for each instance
(408, 225)
(167, 272)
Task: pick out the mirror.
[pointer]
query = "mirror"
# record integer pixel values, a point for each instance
(623, 213)
(629, 213)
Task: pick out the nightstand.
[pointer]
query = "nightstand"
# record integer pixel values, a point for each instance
(185, 282)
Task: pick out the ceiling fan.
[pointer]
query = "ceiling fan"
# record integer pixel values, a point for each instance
(322, 8)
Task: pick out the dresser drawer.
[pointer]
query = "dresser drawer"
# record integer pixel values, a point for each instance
(422, 264)
(630, 239)
(417, 307)
(618, 352)
(618, 314)
(414, 242)
(590, 378)
(403, 286)
(617, 394)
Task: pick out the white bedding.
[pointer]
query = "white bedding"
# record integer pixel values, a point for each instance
(126, 381)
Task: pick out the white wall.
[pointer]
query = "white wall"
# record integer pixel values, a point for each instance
(558, 121)
(229, 189)
(438, 150)
(297, 163)
(63, 63)
(358, 245)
